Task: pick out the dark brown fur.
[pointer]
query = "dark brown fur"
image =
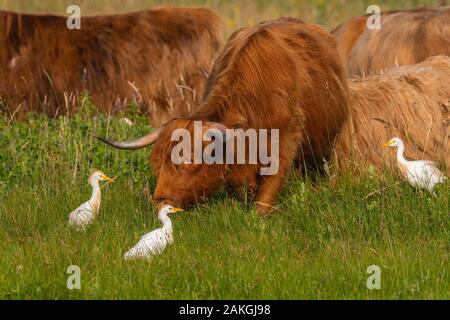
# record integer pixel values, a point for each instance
(282, 74)
(407, 37)
(157, 58)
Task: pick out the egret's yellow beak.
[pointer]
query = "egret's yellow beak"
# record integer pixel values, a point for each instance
(176, 210)
(388, 144)
(107, 179)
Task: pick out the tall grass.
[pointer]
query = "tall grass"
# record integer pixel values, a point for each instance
(318, 245)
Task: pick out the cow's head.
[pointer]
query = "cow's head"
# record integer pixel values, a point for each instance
(180, 182)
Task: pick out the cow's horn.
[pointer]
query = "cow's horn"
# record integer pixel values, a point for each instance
(135, 144)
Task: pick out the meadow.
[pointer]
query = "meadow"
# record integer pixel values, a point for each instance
(318, 245)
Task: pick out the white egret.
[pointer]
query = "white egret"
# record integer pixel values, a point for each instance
(86, 213)
(156, 241)
(421, 174)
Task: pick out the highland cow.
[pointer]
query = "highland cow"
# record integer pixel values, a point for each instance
(282, 75)
(411, 102)
(158, 58)
(406, 37)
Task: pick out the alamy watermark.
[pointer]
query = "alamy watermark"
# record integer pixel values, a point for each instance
(229, 146)
(74, 280)
(374, 20)
(73, 22)
(374, 280)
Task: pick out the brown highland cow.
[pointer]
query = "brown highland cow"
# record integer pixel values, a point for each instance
(158, 58)
(282, 74)
(411, 102)
(405, 38)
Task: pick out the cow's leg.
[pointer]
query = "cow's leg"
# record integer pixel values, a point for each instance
(242, 181)
(242, 191)
(270, 186)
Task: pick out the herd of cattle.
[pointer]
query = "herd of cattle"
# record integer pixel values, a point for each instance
(334, 96)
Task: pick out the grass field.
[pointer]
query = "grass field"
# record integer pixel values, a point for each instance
(318, 246)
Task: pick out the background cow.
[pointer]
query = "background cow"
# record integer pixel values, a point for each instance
(406, 37)
(411, 102)
(267, 77)
(158, 58)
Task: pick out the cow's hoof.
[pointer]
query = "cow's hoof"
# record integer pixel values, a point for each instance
(265, 210)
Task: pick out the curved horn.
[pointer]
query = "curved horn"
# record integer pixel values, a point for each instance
(135, 144)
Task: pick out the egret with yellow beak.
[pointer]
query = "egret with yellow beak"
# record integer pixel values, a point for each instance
(420, 174)
(86, 213)
(155, 242)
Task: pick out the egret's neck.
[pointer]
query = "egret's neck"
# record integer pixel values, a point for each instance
(167, 223)
(401, 153)
(96, 195)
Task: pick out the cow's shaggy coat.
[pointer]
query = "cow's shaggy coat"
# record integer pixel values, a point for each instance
(281, 74)
(406, 37)
(411, 102)
(158, 58)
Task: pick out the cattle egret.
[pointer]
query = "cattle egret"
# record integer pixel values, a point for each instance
(86, 213)
(156, 241)
(421, 174)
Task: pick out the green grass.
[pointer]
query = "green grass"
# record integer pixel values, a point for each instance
(317, 246)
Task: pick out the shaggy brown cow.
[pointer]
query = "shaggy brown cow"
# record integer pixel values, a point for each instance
(407, 37)
(158, 58)
(411, 102)
(281, 74)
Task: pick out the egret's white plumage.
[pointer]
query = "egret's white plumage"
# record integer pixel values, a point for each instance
(421, 174)
(155, 242)
(86, 213)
